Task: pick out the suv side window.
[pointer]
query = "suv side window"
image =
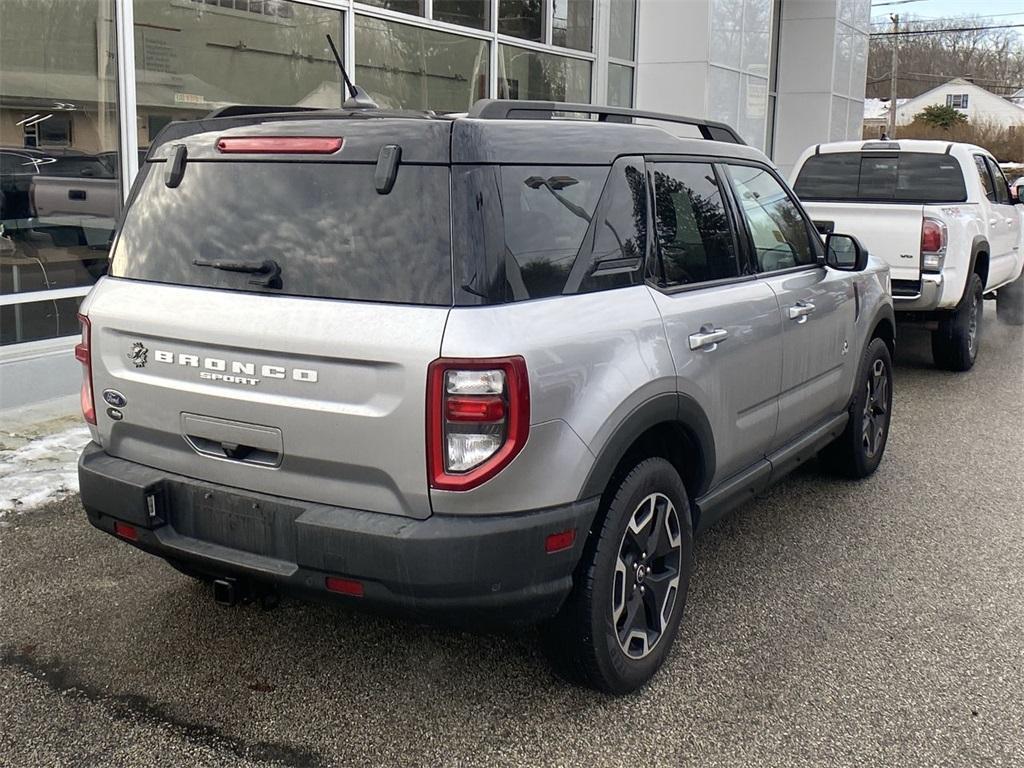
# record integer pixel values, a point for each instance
(778, 229)
(986, 180)
(695, 242)
(1002, 188)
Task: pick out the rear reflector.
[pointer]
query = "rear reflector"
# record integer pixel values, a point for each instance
(349, 587)
(280, 145)
(476, 408)
(126, 531)
(558, 542)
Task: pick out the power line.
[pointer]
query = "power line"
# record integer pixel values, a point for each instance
(914, 18)
(895, 2)
(940, 31)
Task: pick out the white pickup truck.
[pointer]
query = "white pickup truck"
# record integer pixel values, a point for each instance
(941, 215)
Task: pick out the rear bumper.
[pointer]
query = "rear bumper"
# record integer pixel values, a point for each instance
(462, 569)
(927, 300)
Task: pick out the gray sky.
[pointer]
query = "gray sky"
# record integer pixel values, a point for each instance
(1000, 11)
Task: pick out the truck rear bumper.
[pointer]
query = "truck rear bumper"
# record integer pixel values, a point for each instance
(928, 299)
(462, 569)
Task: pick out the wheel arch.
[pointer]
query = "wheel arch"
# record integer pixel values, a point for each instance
(979, 262)
(672, 426)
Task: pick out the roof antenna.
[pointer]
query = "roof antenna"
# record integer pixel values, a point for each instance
(358, 98)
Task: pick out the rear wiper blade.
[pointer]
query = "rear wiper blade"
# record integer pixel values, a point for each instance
(268, 268)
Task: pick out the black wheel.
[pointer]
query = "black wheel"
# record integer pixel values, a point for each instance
(1010, 302)
(183, 567)
(857, 452)
(616, 628)
(956, 343)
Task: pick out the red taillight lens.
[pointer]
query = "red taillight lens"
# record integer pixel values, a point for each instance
(349, 587)
(280, 145)
(478, 419)
(933, 236)
(83, 353)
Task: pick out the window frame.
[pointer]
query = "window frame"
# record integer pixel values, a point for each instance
(998, 181)
(981, 166)
(814, 238)
(655, 259)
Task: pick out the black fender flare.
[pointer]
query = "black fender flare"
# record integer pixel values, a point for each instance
(672, 408)
(977, 246)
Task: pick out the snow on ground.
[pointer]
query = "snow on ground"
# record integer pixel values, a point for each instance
(40, 469)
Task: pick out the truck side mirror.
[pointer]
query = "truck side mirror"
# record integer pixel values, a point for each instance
(845, 252)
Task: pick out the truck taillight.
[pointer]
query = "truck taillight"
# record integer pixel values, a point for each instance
(478, 419)
(933, 245)
(83, 353)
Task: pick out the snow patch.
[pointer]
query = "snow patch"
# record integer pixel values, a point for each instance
(43, 469)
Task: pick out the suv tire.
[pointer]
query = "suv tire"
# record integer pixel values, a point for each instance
(857, 452)
(610, 634)
(956, 343)
(1010, 302)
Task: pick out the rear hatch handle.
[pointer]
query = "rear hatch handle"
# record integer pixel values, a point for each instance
(268, 268)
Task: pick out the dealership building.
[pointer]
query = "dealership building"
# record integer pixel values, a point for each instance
(85, 85)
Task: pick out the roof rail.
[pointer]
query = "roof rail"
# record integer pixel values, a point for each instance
(508, 109)
(240, 110)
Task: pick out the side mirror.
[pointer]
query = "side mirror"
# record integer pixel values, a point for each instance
(845, 252)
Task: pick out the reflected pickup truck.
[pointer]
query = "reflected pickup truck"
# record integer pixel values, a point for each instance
(940, 215)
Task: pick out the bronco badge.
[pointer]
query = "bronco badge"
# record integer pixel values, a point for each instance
(138, 355)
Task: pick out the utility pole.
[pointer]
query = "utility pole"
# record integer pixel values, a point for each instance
(895, 65)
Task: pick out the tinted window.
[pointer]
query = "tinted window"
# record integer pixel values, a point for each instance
(1002, 189)
(777, 227)
(986, 180)
(695, 241)
(882, 177)
(547, 212)
(323, 223)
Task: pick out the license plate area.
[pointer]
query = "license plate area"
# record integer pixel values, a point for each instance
(248, 522)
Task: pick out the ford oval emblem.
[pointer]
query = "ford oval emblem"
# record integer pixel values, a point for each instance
(115, 398)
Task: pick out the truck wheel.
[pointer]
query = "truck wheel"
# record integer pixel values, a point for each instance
(1010, 302)
(956, 343)
(617, 626)
(857, 452)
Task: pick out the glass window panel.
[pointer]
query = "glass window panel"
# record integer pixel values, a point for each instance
(407, 67)
(60, 194)
(724, 88)
(522, 18)
(572, 24)
(467, 13)
(838, 119)
(695, 241)
(986, 180)
(726, 31)
(757, 27)
(780, 233)
(843, 59)
(415, 7)
(620, 86)
(525, 74)
(622, 29)
(884, 177)
(192, 57)
(753, 113)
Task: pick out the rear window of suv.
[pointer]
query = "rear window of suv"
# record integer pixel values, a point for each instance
(885, 177)
(324, 225)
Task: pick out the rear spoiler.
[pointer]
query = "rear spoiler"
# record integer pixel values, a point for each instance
(505, 109)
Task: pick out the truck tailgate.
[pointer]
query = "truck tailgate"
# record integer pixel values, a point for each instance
(890, 232)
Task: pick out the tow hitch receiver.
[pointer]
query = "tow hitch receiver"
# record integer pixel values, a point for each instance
(227, 592)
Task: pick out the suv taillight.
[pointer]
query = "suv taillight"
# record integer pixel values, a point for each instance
(478, 419)
(83, 353)
(933, 245)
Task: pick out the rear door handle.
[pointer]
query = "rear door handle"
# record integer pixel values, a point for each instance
(800, 311)
(993, 222)
(708, 338)
(76, 194)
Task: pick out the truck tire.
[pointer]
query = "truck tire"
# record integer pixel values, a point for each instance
(1010, 302)
(857, 452)
(956, 343)
(617, 626)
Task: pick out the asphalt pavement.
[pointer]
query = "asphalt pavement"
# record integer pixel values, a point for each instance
(878, 623)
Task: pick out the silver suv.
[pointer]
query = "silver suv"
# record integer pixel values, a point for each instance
(495, 366)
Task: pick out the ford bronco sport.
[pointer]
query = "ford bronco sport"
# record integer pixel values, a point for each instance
(501, 365)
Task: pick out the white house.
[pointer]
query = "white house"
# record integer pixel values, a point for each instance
(979, 105)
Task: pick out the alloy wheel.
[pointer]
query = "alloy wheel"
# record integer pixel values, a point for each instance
(647, 570)
(876, 409)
